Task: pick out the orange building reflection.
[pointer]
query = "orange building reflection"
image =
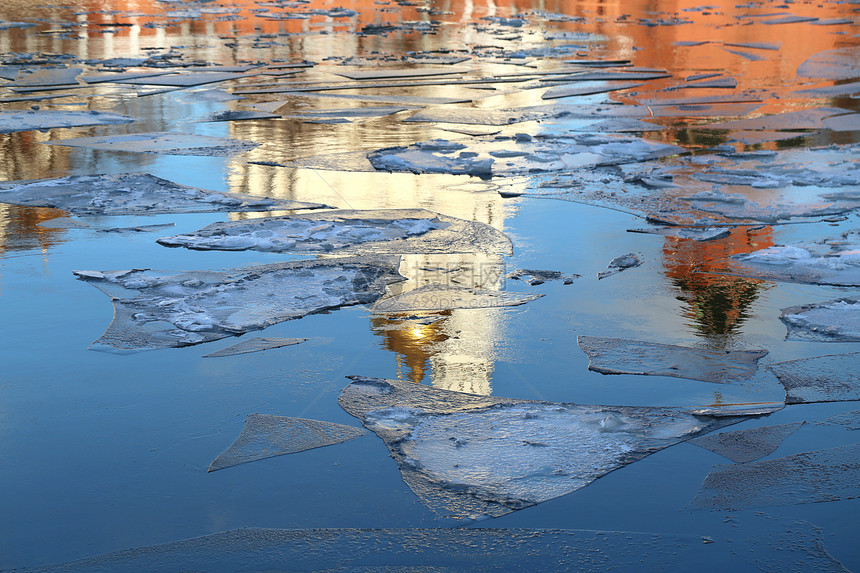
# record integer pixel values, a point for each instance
(716, 305)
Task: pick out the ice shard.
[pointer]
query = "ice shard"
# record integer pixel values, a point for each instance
(621, 263)
(832, 321)
(470, 456)
(749, 444)
(168, 143)
(839, 64)
(831, 378)
(623, 356)
(27, 120)
(163, 309)
(809, 477)
(537, 277)
(435, 297)
(254, 345)
(265, 436)
(133, 194)
(378, 231)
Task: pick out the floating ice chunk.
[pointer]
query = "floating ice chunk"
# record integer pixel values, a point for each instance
(621, 263)
(168, 143)
(699, 100)
(623, 356)
(63, 223)
(163, 309)
(537, 277)
(803, 119)
(267, 436)
(832, 321)
(12, 121)
(187, 79)
(829, 262)
(132, 194)
(240, 115)
(383, 73)
(486, 156)
(578, 90)
(380, 231)
(347, 113)
(470, 456)
(808, 477)
(746, 55)
(480, 116)
(139, 228)
(434, 297)
(254, 345)
(832, 378)
(790, 19)
(46, 77)
(710, 83)
(110, 77)
(754, 45)
(747, 445)
(700, 234)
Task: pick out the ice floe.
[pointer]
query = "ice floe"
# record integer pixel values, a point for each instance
(834, 261)
(809, 477)
(266, 436)
(503, 156)
(436, 297)
(254, 345)
(623, 356)
(27, 120)
(747, 445)
(832, 321)
(168, 143)
(831, 378)
(132, 194)
(380, 231)
(839, 64)
(470, 456)
(162, 309)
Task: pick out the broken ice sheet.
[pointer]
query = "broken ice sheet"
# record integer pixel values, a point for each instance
(266, 436)
(799, 547)
(809, 477)
(749, 444)
(348, 113)
(834, 261)
(621, 263)
(839, 64)
(239, 115)
(132, 194)
(623, 356)
(378, 231)
(27, 120)
(579, 90)
(383, 73)
(163, 309)
(434, 297)
(831, 378)
(168, 143)
(832, 321)
(812, 118)
(188, 79)
(254, 345)
(519, 155)
(470, 456)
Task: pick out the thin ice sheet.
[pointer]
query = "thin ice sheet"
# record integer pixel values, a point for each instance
(469, 456)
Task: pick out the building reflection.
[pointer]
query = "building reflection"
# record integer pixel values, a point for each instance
(715, 305)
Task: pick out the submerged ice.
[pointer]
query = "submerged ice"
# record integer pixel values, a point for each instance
(747, 445)
(162, 309)
(470, 456)
(831, 378)
(832, 321)
(265, 436)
